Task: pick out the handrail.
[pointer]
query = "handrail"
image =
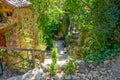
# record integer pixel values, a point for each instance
(23, 49)
(31, 50)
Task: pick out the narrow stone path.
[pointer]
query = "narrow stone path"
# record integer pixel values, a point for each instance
(62, 57)
(108, 70)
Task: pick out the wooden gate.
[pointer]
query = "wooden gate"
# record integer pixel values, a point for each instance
(2, 38)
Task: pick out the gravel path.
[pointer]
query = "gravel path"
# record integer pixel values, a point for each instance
(62, 57)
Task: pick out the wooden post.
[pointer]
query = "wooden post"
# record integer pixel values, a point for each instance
(33, 59)
(42, 57)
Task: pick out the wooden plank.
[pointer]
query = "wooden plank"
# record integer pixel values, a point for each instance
(22, 49)
(6, 10)
(5, 3)
(33, 59)
(42, 57)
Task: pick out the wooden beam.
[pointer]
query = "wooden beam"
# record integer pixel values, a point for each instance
(6, 10)
(22, 49)
(4, 3)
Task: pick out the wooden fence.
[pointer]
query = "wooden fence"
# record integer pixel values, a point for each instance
(32, 52)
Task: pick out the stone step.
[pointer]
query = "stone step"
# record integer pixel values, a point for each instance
(75, 36)
(75, 32)
(74, 28)
(76, 40)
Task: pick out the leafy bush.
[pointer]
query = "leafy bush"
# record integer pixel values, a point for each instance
(13, 56)
(53, 68)
(1, 52)
(70, 66)
(50, 31)
(106, 54)
(54, 55)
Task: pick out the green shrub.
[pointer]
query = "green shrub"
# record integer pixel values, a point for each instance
(105, 54)
(54, 55)
(70, 66)
(53, 68)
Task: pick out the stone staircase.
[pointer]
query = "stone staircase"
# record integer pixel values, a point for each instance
(75, 32)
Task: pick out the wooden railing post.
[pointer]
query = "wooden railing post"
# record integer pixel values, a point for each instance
(42, 57)
(33, 59)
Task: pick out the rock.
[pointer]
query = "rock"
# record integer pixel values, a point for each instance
(51, 78)
(93, 73)
(105, 78)
(78, 74)
(46, 75)
(101, 65)
(41, 71)
(90, 76)
(91, 66)
(38, 76)
(106, 63)
(59, 76)
(56, 78)
(103, 72)
(77, 78)
(116, 73)
(82, 77)
(80, 62)
(27, 75)
(86, 71)
(62, 78)
(95, 78)
(67, 77)
(82, 69)
(102, 69)
(86, 79)
(95, 64)
(101, 78)
(34, 74)
(109, 71)
(74, 77)
(15, 78)
(44, 67)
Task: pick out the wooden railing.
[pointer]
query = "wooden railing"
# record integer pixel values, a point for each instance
(33, 53)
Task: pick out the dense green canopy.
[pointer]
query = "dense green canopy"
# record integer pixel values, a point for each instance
(98, 19)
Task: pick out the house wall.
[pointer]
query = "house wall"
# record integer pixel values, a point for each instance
(21, 30)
